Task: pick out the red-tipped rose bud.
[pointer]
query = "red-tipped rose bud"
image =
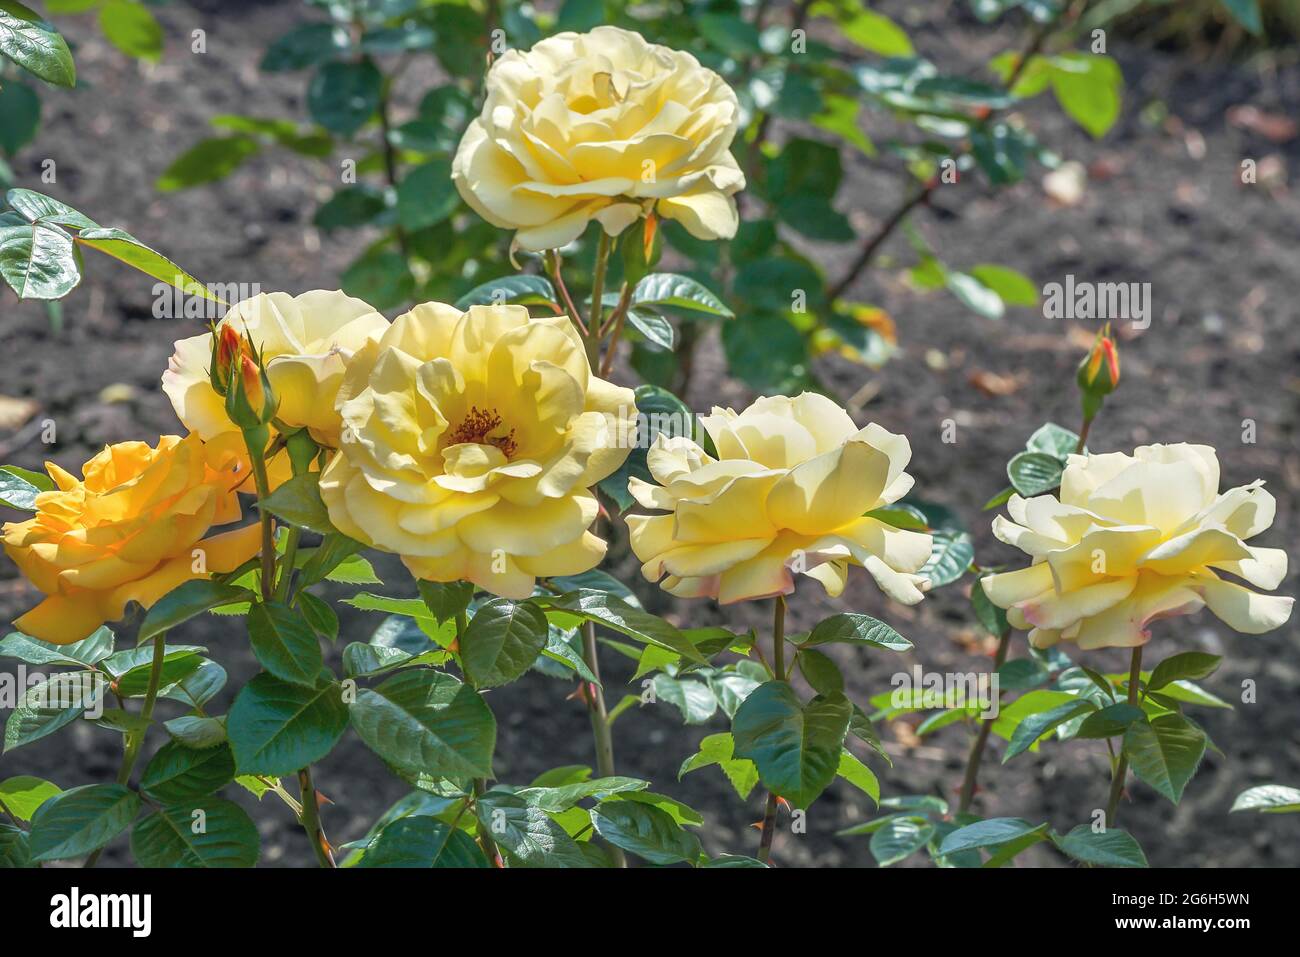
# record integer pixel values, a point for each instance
(250, 402)
(227, 346)
(1098, 374)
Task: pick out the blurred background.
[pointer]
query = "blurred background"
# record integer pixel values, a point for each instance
(1152, 194)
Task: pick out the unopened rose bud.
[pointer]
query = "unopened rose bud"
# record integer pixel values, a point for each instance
(250, 402)
(227, 346)
(1098, 374)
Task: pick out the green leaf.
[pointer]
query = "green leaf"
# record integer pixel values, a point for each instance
(694, 699)
(1089, 87)
(555, 799)
(985, 834)
(990, 616)
(672, 291)
(304, 46)
(15, 849)
(446, 600)
(125, 248)
(207, 161)
(318, 613)
(129, 26)
(899, 838)
(22, 795)
(81, 820)
(653, 326)
(131, 668)
(276, 727)
(298, 502)
(1109, 848)
(210, 832)
(88, 651)
(527, 833)
(284, 643)
(796, 748)
(1001, 152)
(20, 116)
(1034, 473)
(427, 722)
(820, 671)
(1270, 798)
(1110, 721)
(718, 749)
(525, 290)
(1034, 726)
(1165, 752)
(349, 207)
(427, 196)
(420, 841)
(177, 773)
(976, 296)
(342, 97)
(854, 629)
(35, 45)
(502, 640)
(1012, 287)
(195, 731)
(187, 601)
(645, 831)
(951, 552)
(658, 412)
(859, 775)
(1246, 12)
(38, 261)
(1189, 664)
(625, 619)
(380, 277)
(50, 705)
(199, 687)
(868, 29)
(1054, 440)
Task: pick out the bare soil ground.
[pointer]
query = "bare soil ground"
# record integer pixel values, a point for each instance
(1164, 205)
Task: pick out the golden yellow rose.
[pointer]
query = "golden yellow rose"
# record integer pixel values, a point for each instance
(131, 530)
(788, 492)
(606, 126)
(470, 442)
(1135, 538)
(304, 339)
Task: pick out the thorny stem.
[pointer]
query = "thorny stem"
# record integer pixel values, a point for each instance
(778, 672)
(982, 739)
(1119, 770)
(311, 819)
(135, 739)
(480, 784)
(1083, 435)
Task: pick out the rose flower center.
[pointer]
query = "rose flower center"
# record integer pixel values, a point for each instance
(477, 427)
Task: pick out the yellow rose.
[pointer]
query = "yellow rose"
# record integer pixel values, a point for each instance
(789, 491)
(470, 442)
(601, 125)
(304, 339)
(1135, 538)
(131, 530)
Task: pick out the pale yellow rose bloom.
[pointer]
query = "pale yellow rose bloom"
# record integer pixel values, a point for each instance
(130, 530)
(1136, 538)
(305, 340)
(606, 126)
(470, 443)
(789, 492)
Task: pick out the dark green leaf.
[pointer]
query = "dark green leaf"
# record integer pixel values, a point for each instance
(503, 639)
(796, 748)
(645, 831)
(854, 629)
(343, 96)
(177, 773)
(210, 832)
(1109, 848)
(420, 841)
(1165, 752)
(276, 727)
(35, 45)
(284, 643)
(187, 601)
(81, 820)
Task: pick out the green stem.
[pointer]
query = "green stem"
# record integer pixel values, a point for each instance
(600, 727)
(484, 837)
(595, 315)
(982, 739)
(255, 439)
(286, 566)
(135, 739)
(1119, 770)
(778, 672)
